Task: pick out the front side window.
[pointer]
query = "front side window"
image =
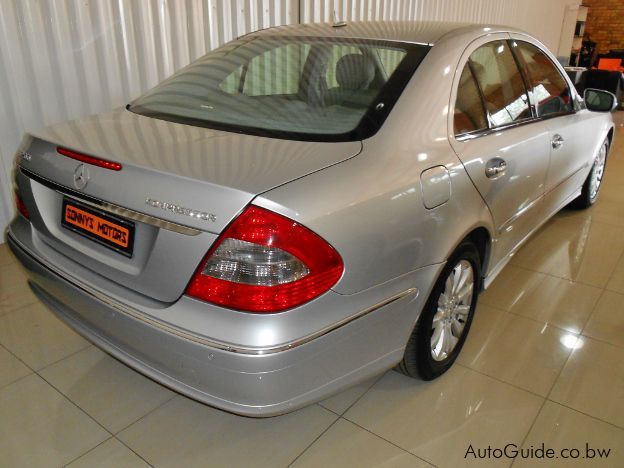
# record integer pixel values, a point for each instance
(501, 83)
(306, 88)
(469, 112)
(549, 89)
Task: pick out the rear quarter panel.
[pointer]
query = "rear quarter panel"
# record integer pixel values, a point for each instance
(370, 207)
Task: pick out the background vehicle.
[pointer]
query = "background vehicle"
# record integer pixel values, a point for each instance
(307, 206)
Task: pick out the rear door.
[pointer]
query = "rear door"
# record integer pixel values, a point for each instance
(502, 145)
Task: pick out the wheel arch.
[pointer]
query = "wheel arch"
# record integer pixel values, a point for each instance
(610, 134)
(483, 241)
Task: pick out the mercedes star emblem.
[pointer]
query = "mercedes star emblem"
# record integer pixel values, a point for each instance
(81, 176)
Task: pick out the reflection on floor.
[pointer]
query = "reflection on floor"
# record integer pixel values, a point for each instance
(544, 364)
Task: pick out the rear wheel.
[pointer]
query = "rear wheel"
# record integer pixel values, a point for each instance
(445, 320)
(591, 187)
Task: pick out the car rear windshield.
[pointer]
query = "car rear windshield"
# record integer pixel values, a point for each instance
(302, 88)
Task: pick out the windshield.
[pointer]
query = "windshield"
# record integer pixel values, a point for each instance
(327, 89)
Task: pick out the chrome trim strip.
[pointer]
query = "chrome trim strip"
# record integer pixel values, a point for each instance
(111, 207)
(140, 217)
(250, 350)
(491, 130)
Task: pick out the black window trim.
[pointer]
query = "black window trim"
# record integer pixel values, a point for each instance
(486, 112)
(524, 73)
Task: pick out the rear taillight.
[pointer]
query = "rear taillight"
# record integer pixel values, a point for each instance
(85, 158)
(265, 262)
(21, 207)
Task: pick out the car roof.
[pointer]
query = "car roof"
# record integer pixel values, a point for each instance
(422, 32)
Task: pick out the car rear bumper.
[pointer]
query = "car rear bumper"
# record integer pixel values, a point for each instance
(258, 383)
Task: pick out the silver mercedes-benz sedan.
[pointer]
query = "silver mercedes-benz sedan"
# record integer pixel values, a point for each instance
(306, 206)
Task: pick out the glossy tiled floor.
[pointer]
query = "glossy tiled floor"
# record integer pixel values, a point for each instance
(544, 364)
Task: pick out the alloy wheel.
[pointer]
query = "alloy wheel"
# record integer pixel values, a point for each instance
(454, 306)
(598, 172)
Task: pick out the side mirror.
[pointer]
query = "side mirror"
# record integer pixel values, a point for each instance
(599, 100)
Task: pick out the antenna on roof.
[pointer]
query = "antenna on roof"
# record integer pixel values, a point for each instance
(338, 24)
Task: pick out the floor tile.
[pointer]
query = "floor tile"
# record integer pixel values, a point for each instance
(6, 257)
(611, 191)
(607, 321)
(514, 349)
(111, 393)
(561, 428)
(616, 283)
(40, 427)
(37, 337)
(511, 286)
(110, 454)
(587, 252)
(592, 381)
(341, 402)
(438, 420)
(608, 211)
(11, 369)
(596, 240)
(542, 250)
(559, 302)
(14, 290)
(186, 433)
(345, 445)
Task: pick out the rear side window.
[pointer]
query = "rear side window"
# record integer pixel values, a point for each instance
(469, 112)
(549, 89)
(501, 83)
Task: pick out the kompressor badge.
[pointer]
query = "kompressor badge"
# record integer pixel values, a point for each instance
(181, 210)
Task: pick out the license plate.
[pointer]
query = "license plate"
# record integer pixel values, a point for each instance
(105, 229)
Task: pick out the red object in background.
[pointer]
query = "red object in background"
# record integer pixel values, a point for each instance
(613, 64)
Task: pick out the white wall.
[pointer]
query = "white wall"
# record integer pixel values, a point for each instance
(62, 59)
(541, 18)
(570, 17)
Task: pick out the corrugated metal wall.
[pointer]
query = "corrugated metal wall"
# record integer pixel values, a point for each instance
(542, 18)
(62, 59)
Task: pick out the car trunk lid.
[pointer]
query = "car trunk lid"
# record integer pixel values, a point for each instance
(180, 185)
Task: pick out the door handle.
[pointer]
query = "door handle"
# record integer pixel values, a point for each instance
(557, 141)
(495, 168)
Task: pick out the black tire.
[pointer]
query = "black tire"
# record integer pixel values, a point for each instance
(418, 360)
(586, 199)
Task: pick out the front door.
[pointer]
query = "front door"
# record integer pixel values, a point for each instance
(570, 131)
